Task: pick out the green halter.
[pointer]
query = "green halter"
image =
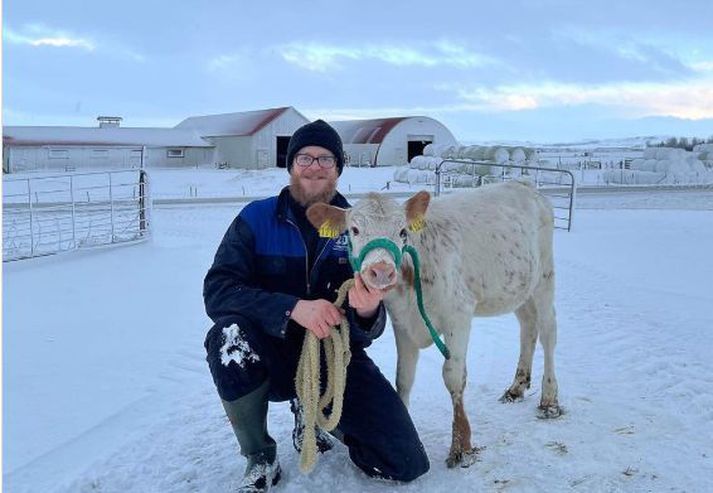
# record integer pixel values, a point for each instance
(397, 254)
(373, 244)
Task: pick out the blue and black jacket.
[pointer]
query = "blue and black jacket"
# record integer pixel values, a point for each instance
(261, 271)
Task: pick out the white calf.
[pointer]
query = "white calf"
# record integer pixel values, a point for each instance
(483, 252)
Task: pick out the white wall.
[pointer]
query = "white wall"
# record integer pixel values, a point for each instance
(361, 154)
(157, 157)
(235, 151)
(71, 158)
(79, 158)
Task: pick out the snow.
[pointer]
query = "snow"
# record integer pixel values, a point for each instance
(236, 348)
(106, 388)
(241, 183)
(130, 136)
(233, 124)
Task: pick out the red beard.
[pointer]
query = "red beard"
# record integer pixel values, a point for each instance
(306, 198)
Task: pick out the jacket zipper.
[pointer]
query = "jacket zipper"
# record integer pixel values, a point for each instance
(299, 233)
(316, 260)
(308, 273)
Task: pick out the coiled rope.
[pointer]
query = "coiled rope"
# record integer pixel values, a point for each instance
(307, 382)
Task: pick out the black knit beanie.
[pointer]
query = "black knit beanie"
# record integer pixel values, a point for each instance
(318, 133)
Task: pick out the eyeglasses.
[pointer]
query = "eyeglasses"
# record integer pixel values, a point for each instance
(305, 161)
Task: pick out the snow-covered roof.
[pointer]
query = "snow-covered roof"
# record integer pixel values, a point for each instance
(366, 131)
(150, 137)
(232, 124)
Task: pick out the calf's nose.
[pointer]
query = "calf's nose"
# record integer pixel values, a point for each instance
(381, 274)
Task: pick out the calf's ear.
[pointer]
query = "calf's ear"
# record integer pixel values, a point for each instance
(329, 220)
(415, 209)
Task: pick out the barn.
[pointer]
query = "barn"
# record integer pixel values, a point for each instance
(250, 139)
(108, 146)
(390, 141)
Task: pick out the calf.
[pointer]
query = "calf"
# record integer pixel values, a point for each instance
(483, 252)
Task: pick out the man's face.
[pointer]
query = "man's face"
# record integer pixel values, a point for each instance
(313, 183)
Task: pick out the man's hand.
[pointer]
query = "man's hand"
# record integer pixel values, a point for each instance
(317, 316)
(363, 299)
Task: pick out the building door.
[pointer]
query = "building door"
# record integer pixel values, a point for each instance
(263, 157)
(281, 151)
(135, 158)
(415, 148)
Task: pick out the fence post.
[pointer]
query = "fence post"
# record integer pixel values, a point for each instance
(74, 215)
(32, 229)
(111, 208)
(142, 201)
(437, 188)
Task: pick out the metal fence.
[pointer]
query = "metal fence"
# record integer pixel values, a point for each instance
(45, 215)
(556, 184)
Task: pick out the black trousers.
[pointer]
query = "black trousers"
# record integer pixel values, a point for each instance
(377, 428)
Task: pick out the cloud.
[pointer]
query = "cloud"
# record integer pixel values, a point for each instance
(318, 57)
(335, 114)
(226, 62)
(702, 66)
(686, 99)
(691, 100)
(38, 35)
(241, 66)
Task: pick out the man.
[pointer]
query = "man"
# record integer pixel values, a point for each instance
(272, 280)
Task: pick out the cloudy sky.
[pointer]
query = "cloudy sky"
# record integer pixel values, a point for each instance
(545, 70)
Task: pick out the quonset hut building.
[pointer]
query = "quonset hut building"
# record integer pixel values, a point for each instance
(390, 141)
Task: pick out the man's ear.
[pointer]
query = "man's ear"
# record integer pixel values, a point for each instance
(329, 220)
(415, 209)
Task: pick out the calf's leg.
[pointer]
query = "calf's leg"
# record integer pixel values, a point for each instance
(549, 405)
(406, 365)
(462, 452)
(527, 316)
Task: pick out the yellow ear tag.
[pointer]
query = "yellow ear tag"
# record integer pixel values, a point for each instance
(327, 230)
(418, 224)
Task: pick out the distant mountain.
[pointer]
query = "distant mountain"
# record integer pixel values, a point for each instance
(575, 128)
(638, 142)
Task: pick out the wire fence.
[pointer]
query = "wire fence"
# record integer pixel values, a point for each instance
(45, 215)
(556, 184)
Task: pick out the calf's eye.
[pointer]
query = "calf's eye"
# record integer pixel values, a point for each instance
(402, 234)
(355, 230)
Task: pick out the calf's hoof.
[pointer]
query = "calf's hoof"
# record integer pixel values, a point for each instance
(510, 396)
(463, 459)
(549, 411)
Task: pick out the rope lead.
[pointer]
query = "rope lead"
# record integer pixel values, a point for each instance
(307, 382)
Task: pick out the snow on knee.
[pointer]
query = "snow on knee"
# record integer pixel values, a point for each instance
(236, 348)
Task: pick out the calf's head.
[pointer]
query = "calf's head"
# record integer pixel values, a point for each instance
(374, 217)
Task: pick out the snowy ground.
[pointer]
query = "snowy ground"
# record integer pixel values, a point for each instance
(203, 183)
(106, 390)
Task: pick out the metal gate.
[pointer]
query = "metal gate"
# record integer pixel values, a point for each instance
(556, 184)
(45, 215)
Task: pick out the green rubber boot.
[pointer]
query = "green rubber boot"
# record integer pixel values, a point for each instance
(248, 416)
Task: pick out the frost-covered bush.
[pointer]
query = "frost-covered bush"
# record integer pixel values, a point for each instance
(673, 165)
(401, 174)
(518, 155)
(632, 177)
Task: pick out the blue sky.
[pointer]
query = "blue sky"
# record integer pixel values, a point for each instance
(504, 70)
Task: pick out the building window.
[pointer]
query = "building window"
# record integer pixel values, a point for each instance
(175, 153)
(100, 153)
(58, 154)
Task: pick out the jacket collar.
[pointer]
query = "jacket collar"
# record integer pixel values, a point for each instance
(283, 204)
